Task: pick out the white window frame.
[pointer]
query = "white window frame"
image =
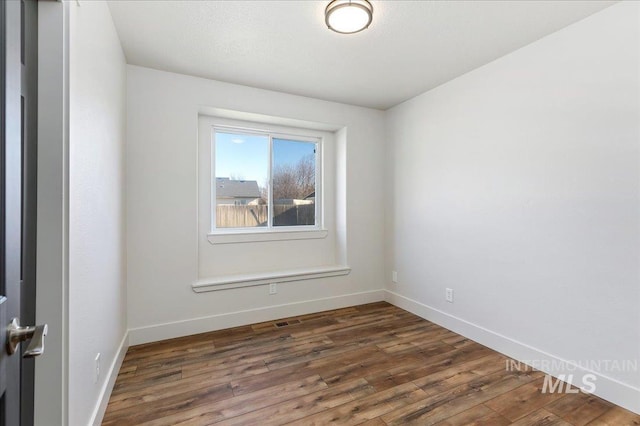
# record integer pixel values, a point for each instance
(269, 232)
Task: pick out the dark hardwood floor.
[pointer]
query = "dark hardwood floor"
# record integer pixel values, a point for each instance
(373, 364)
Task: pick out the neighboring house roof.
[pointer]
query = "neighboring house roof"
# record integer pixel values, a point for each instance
(227, 188)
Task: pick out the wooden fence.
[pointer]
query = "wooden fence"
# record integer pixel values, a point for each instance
(229, 216)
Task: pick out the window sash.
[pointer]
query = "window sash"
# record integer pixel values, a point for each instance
(270, 228)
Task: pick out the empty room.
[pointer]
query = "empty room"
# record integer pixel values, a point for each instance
(377, 212)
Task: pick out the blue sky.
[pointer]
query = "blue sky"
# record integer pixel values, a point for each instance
(242, 156)
(290, 152)
(247, 156)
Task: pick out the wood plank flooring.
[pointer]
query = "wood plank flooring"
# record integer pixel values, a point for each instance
(372, 364)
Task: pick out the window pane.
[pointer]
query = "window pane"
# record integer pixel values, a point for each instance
(242, 176)
(294, 183)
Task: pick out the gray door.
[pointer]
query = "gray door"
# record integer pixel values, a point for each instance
(18, 161)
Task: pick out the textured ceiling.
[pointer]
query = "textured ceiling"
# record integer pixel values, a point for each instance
(411, 47)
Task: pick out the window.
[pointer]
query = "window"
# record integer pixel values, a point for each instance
(264, 181)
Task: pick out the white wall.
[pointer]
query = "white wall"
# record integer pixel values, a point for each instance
(162, 209)
(97, 292)
(51, 381)
(517, 185)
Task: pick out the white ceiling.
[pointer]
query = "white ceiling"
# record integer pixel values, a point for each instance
(411, 46)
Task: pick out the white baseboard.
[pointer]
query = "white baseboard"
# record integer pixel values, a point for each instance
(607, 388)
(112, 374)
(171, 330)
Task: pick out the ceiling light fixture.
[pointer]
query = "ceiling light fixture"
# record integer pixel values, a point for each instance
(348, 16)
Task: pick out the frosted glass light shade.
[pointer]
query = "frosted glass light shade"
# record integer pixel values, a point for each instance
(348, 16)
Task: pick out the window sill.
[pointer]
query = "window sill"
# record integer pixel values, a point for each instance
(237, 281)
(253, 237)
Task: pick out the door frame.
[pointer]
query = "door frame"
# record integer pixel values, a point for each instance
(52, 266)
(11, 201)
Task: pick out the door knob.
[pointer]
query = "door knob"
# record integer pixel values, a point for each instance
(17, 334)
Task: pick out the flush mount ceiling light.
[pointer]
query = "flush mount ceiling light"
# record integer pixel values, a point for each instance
(348, 16)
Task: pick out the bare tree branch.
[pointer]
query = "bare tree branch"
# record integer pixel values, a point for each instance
(295, 181)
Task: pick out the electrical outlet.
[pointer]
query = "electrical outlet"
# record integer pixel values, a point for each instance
(449, 295)
(97, 365)
(273, 288)
(394, 276)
